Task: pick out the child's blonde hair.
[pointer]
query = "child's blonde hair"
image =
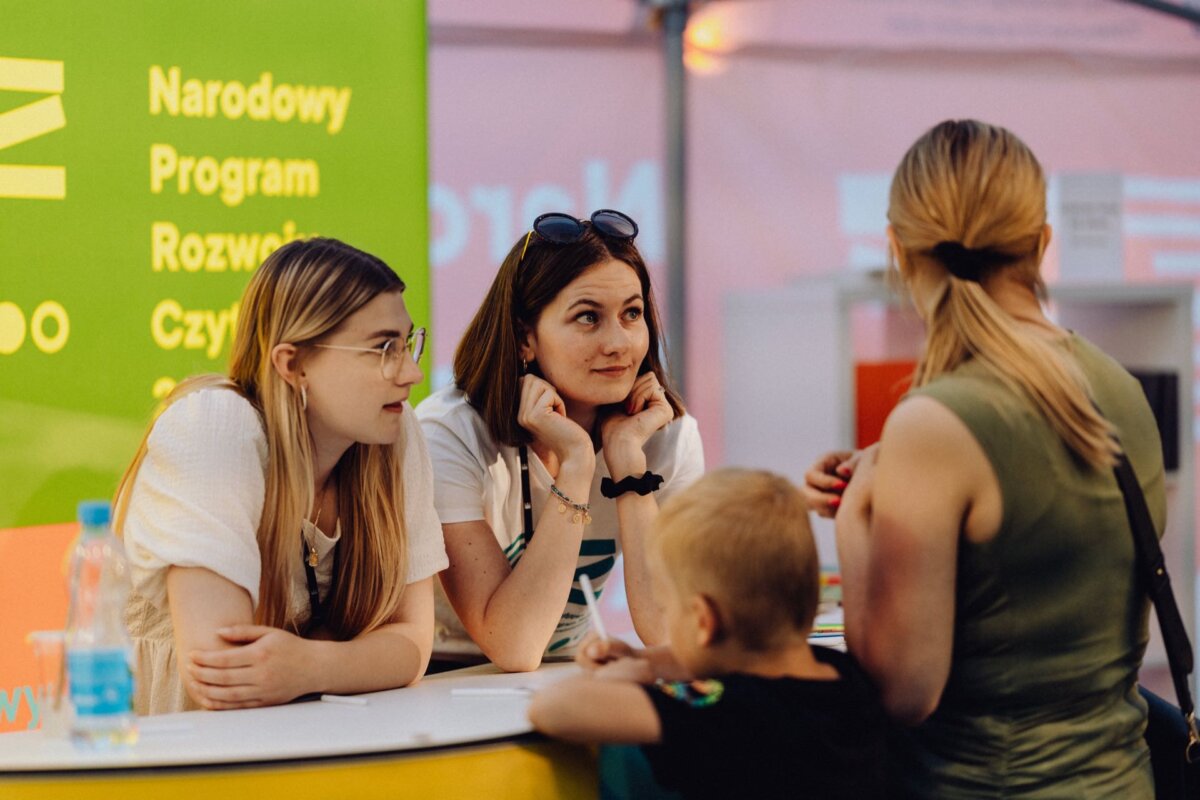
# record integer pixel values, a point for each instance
(742, 538)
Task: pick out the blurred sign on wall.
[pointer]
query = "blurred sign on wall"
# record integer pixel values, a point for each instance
(1091, 240)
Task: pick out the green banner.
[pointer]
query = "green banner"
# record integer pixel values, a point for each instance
(151, 154)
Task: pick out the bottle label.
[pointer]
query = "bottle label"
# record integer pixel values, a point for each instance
(101, 681)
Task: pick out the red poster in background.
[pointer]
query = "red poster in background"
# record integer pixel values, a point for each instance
(879, 385)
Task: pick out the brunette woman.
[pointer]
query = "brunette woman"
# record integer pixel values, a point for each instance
(555, 445)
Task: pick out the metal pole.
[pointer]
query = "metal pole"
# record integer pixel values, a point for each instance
(674, 21)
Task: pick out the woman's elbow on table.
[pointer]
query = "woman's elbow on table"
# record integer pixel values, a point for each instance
(511, 650)
(515, 660)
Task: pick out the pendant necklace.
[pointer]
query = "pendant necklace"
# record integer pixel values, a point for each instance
(308, 552)
(313, 558)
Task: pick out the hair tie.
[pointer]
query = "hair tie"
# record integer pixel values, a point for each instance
(969, 263)
(643, 484)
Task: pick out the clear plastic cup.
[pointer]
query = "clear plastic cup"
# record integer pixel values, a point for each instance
(53, 702)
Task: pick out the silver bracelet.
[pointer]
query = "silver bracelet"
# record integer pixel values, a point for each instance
(582, 510)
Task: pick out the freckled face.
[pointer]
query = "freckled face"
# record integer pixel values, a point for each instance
(591, 339)
(348, 398)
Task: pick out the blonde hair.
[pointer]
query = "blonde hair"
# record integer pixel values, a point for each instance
(302, 292)
(742, 538)
(968, 202)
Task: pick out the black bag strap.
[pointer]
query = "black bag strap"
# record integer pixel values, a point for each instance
(1153, 569)
(526, 502)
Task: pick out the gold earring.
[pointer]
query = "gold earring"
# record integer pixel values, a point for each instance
(303, 398)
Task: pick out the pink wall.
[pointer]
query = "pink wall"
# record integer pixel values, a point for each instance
(515, 132)
(798, 110)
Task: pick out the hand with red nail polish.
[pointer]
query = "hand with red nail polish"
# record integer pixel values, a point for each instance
(826, 479)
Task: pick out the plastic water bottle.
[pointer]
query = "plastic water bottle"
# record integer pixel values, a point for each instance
(99, 654)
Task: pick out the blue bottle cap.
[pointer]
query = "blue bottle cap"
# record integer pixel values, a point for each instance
(94, 513)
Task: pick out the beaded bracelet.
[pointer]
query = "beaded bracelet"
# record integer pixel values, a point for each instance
(582, 510)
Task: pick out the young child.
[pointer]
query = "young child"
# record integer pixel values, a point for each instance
(737, 704)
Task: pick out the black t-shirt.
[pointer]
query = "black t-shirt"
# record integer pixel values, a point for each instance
(747, 736)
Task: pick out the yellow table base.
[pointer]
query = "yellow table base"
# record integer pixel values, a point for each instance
(525, 771)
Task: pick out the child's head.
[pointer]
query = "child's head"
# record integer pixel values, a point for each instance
(734, 564)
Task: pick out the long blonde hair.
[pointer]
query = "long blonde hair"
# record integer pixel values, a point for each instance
(302, 292)
(967, 203)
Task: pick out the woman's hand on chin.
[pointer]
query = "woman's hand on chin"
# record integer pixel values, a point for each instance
(544, 415)
(624, 435)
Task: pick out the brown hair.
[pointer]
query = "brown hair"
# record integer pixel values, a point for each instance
(742, 538)
(487, 363)
(302, 292)
(971, 192)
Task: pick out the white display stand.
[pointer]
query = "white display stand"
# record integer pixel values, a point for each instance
(789, 378)
(479, 704)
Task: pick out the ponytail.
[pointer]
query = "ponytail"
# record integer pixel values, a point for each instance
(968, 202)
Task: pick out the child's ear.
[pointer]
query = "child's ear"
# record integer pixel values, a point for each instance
(707, 616)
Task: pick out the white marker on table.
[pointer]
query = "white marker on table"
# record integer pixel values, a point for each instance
(344, 700)
(489, 691)
(597, 624)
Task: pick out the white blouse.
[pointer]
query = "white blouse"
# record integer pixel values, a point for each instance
(197, 502)
(479, 479)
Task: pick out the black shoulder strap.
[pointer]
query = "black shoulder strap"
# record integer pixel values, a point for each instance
(526, 498)
(1153, 569)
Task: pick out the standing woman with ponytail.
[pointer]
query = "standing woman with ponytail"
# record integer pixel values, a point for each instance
(280, 521)
(987, 562)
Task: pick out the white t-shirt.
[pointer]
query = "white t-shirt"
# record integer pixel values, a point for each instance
(197, 502)
(479, 479)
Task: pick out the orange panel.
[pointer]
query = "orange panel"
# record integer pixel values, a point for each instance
(880, 385)
(33, 596)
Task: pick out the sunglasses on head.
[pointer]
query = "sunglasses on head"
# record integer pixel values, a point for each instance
(561, 228)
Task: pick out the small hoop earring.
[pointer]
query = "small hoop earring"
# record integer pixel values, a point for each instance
(304, 398)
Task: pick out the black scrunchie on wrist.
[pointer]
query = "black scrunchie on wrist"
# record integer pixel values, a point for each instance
(643, 485)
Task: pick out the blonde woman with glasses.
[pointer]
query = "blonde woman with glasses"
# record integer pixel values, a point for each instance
(280, 521)
(988, 567)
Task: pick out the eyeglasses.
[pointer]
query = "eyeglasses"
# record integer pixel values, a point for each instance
(561, 228)
(390, 352)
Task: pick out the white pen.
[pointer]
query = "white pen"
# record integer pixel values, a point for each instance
(597, 624)
(344, 700)
(488, 691)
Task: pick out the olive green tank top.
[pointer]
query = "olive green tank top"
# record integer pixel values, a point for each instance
(1050, 623)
